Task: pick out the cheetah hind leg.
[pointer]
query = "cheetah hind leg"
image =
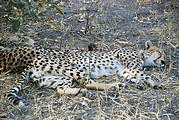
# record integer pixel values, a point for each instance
(61, 83)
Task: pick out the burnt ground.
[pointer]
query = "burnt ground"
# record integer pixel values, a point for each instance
(115, 22)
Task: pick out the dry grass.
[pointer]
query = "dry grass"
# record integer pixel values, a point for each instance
(111, 23)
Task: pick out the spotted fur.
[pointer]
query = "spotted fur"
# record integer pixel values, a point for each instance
(58, 70)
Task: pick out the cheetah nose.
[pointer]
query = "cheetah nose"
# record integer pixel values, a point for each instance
(163, 62)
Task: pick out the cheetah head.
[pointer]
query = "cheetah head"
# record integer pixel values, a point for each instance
(153, 56)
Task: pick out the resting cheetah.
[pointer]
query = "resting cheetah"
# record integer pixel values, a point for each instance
(59, 70)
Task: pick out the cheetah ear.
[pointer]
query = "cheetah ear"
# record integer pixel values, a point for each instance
(148, 44)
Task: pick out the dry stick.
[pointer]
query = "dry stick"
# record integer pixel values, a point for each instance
(87, 21)
(60, 38)
(124, 42)
(99, 86)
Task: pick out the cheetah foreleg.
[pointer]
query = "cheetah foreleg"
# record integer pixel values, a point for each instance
(138, 77)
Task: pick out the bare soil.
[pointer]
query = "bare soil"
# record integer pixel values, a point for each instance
(110, 23)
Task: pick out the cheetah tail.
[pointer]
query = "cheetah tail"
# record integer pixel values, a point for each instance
(13, 94)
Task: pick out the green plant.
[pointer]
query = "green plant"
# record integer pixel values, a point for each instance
(16, 13)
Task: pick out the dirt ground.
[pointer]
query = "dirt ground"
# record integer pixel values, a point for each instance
(110, 23)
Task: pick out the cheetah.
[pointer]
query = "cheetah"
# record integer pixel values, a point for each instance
(60, 70)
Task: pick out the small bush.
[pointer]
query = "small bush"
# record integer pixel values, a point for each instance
(16, 13)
